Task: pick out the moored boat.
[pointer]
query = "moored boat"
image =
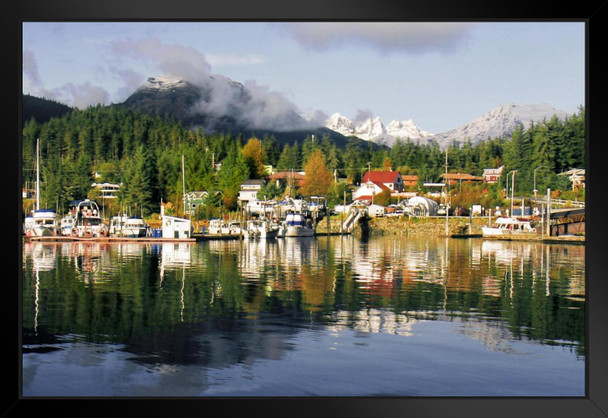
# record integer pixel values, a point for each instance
(260, 228)
(128, 226)
(509, 226)
(67, 224)
(88, 221)
(219, 227)
(44, 223)
(296, 225)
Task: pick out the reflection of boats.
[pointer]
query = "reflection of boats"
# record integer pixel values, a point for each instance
(88, 220)
(296, 225)
(128, 226)
(44, 257)
(219, 227)
(260, 228)
(509, 226)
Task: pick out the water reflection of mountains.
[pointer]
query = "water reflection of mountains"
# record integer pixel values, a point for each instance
(187, 302)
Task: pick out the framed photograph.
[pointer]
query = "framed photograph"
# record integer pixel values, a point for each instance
(322, 208)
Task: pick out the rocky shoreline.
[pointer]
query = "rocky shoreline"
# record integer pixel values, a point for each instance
(405, 226)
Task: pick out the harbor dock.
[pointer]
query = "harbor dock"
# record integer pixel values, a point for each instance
(61, 238)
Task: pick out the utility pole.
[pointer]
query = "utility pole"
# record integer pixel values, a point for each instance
(548, 212)
(512, 191)
(447, 190)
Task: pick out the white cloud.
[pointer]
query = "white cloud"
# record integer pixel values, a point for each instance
(80, 96)
(232, 59)
(385, 36)
(172, 59)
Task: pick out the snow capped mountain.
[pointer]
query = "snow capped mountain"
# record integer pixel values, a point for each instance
(405, 129)
(163, 83)
(340, 124)
(219, 103)
(370, 129)
(216, 103)
(500, 121)
(374, 130)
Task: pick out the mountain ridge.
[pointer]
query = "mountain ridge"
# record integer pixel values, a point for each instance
(219, 104)
(500, 121)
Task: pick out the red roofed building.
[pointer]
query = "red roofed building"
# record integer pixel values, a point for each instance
(288, 176)
(375, 182)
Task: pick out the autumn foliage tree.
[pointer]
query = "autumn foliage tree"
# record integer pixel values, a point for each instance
(318, 178)
(254, 155)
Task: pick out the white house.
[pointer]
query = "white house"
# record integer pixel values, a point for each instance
(249, 191)
(492, 175)
(176, 227)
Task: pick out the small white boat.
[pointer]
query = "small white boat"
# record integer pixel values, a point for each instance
(128, 226)
(218, 227)
(43, 223)
(509, 226)
(260, 228)
(296, 225)
(67, 224)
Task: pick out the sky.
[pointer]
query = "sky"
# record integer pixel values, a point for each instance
(441, 75)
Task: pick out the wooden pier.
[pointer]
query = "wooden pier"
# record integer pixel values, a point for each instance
(61, 238)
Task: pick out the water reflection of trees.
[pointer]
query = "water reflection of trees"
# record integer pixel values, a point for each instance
(130, 293)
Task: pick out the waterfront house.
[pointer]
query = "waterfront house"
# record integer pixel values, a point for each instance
(492, 175)
(375, 182)
(391, 179)
(576, 176)
(409, 180)
(193, 200)
(176, 227)
(108, 190)
(249, 191)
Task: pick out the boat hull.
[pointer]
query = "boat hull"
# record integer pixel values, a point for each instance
(295, 231)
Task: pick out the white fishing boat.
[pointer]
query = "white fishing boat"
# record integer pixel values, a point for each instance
(67, 224)
(509, 226)
(88, 221)
(128, 226)
(44, 223)
(260, 228)
(219, 227)
(296, 225)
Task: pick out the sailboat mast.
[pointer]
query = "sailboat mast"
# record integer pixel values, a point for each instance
(37, 173)
(184, 185)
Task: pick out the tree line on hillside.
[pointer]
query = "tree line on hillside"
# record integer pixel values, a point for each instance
(144, 153)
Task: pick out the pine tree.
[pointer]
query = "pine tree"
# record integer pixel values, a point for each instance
(233, 173)
(140, 184)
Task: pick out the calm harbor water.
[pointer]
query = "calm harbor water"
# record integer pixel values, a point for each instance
(322, 316)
